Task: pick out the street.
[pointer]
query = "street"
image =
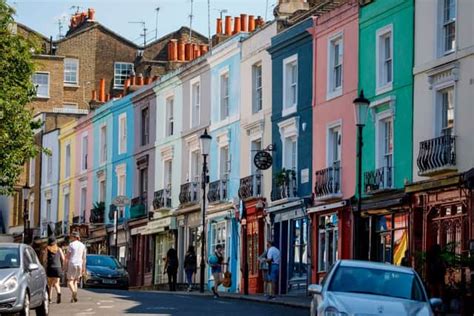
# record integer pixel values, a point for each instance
(116, 302)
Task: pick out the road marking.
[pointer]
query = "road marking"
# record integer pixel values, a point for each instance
(106, 307)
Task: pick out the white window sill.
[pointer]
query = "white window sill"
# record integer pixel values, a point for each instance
(71, 85)
(383, 89)
(334, 94)
(289, 110)
(42, 97)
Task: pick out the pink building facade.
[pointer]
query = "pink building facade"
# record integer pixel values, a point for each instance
(335, 49)
(83, 170)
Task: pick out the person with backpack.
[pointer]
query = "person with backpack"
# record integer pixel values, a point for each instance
(171, 268)
(190, 266)
(216, 261)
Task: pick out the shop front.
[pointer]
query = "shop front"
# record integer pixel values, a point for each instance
(123, 242)
(290, 225)
(97, 241)
(140, 265)
(332, 235)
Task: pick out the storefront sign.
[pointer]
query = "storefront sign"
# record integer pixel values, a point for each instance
(326, 207)
(138, 230)
(159, 225)
(284, 216)
(432, 184)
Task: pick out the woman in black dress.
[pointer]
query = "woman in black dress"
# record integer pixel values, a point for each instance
(171, 268)
(54, 267)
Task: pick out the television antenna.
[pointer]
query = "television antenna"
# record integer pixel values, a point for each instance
(144, 30)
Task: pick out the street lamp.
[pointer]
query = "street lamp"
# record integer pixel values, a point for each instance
(361, 107)
(26, 193)
(205, 140)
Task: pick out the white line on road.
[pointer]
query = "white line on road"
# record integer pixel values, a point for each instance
(106, 307)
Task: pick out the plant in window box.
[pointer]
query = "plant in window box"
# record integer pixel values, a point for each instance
(97, 213)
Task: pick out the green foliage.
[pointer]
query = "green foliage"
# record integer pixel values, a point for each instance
(16, 90)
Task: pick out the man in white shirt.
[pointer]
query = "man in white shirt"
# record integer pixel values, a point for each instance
(75, 263)
(273, 259)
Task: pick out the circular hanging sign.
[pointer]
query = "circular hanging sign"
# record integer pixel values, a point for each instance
(263, 160)
(121, 201)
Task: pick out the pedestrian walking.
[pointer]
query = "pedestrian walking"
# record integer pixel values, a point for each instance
(190, 266)
(263, 266)
(216, 261)
(75, 263)
(171, 268)
(53, 260)
(273, 259)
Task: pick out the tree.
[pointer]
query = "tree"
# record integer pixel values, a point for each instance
(16, 90)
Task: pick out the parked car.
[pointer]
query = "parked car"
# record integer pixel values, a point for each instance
(105, 271)
(23, 283)
(368, 288)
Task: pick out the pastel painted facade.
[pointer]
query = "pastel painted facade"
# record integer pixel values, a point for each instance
(255, 135)
(386, 77)
(292, 134)
(50, 180)
(335, 40)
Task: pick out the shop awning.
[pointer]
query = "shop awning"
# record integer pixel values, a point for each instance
(376, 203)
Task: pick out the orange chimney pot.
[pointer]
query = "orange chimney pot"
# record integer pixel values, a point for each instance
(219, 26)
(228, 25)
(251, 23)
(188, 55)
(94, 95)
(102, 90)
(236, 25)
(204, 49)
(139, 80)
(90, 14)
(181, 47)
(243, 23)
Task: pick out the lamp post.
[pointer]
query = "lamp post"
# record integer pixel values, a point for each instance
(361, 107)
(205, 140)
(26, 220)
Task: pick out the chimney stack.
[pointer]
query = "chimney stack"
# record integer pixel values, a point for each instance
(90, 14)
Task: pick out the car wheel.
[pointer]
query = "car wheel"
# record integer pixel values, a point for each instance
(26, 306)
(43, 310)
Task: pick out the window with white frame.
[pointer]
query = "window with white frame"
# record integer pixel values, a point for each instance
(195, 104)
(255, 146)
(84, 146)
(445, 99)
(448, 32)
(145, 126)
(122, 133)
(49, 169)
(143, 181)
(32, 171)
(102, 190)
(385, 139)
(290, 153)
(41, 82)
(68, 161)
(195, 166)
(121, 182)
(335, 71)
(168, 174)
(121, 72)
(334, 146)
(66, 206)
(169, 116)
(224, 162)
(224, 95)
(290, 82)
(71, 71)
(103, 143)
(257, 96)
(48, 210)
(83, 203)
(219, 236)
(384, 58)
(328, 233)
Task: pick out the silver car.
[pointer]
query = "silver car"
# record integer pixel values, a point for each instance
(23, 284)
(369, 288)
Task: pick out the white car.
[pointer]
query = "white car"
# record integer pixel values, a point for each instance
(368, 288)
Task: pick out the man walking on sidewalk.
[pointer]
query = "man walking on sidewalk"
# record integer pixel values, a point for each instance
(273, 259)
(75, 263)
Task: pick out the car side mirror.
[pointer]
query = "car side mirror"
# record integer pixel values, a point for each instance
(315, 289)
(33, 267)
(435, 302)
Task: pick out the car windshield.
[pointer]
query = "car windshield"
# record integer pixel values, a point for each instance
(9, 257)
(103, 261)
(377, 282)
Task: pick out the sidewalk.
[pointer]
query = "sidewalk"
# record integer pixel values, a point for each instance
(292, 301)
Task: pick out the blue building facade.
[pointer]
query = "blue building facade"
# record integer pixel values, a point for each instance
(292, 66)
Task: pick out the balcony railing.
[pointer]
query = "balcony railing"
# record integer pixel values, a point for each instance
(138, 206)
(328, 182)
(189, 193)
(437, 155)
(162, 199)
(217, 191)
(250, 186)
(284, 185)
(378, 180)
(97, 214)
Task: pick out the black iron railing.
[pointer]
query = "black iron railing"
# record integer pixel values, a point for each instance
(284, 185)
(378, 179)
(58, 229)
(328, 181)
(217, 191)
(97, 215)
(162, 199)
(436, 154)
(189, 192)
(250, 186)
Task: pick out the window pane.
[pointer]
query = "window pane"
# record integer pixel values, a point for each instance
(70, 70)
(122, 72)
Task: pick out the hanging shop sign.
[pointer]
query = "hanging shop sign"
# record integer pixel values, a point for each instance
(263, 160)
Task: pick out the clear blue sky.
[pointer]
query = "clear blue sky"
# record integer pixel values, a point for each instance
(43, 15)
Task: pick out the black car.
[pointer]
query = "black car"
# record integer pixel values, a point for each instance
(105, 271)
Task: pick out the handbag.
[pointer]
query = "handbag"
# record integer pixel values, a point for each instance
(227, 281)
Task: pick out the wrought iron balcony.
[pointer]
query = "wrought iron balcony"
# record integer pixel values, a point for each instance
(328, 182)
(58, 229)
(437, 155)
(284, 185)
(97, 213)
(138, 206)
(378, 180)
(250, 186)
(217, 191)
(162, 199)
(189, 193)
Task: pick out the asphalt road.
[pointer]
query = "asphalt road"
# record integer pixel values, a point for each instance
(116, 302)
